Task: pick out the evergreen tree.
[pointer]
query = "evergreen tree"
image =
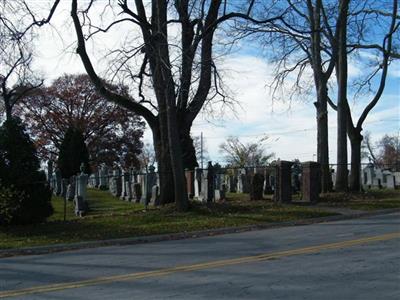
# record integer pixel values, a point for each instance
(20, 178)
(73, 152)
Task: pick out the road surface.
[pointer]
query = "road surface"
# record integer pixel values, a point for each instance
(353, 259)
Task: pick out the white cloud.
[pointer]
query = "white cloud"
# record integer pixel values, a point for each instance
(292, 131)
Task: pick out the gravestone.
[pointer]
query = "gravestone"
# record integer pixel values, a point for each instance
(116, 183)
(210, 182)
(57, 189)
(143, 188)
(154, 200)
(133, 181)
(256, 187)
(49, 170)
(71, 188)
(231, 186)
(96, 178)
(267, 183)
(234, 184)
(240, 179)
(63, 192)
(220, 187)
(103, 177)
(226, 182)
(128, 191)
(80, 197)
(296, 185)
(189, 175)
(247, 183)
(204, 186)
(283, 188)
(137, 192)
(311, 181)
(91, 181)
(222, 192)
(150, 182)
(124, 179)
(197, 182)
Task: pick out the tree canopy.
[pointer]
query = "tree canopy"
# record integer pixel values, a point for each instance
(238, 154)
(112, 134)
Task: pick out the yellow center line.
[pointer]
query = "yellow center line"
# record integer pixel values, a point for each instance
(196, 267)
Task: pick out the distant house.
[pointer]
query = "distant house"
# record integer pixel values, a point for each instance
(374, 177)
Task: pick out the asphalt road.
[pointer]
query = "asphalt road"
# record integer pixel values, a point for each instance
(354, 259)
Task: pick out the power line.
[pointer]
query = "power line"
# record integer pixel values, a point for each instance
(291, 131)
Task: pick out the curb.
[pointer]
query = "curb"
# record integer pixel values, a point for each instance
(40, 250)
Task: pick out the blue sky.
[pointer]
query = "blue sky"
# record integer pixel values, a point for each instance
(291, 128)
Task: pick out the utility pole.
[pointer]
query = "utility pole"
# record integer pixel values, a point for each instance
(201, 149)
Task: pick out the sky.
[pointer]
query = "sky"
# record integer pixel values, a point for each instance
(288, 127)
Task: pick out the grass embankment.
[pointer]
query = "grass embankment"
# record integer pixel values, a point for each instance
(374, 199)
(110, 217)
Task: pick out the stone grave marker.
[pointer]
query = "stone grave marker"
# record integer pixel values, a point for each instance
(256, 186)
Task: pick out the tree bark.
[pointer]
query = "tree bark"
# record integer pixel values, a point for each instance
(188, 150)
(164, 86)
(342, 173)
(320, 80)
(322, 139)
(181, 198)
(167, 193)
(7, 106)
(355, 176)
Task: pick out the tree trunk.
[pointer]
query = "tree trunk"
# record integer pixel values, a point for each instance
(355, 163)
(7, 107)
(181, 198)
(164, 86)
(342, 173)
(320, 80)
(188, 150)
(167, 193)
(322, 142)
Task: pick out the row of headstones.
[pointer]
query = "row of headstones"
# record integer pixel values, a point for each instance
(206, 186)
(128, 185)
(72, 189)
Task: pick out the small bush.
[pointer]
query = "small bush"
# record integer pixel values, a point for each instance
(24, 193)
(10, 203)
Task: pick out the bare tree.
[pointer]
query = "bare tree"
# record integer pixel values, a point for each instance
(200, 146)
(385, 153)
(318, 34)
(16, 51)
(296, 42)
(347, 47)
(369, 149)
(182, 74)
(147, 157)
(239, 154)
(16, 78)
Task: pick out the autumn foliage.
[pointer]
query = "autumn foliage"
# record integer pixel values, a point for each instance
(112, 134)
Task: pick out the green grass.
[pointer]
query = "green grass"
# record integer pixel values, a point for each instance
(110, 217)
(370, 200)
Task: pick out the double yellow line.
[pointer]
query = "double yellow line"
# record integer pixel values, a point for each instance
(196, 267)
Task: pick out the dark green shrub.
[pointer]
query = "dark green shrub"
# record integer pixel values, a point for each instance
(10, 204)
(27, 196)
(73, 152)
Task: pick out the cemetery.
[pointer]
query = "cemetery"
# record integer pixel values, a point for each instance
(113, 203)
(278, 181)
(107, 148)
(178, 149)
